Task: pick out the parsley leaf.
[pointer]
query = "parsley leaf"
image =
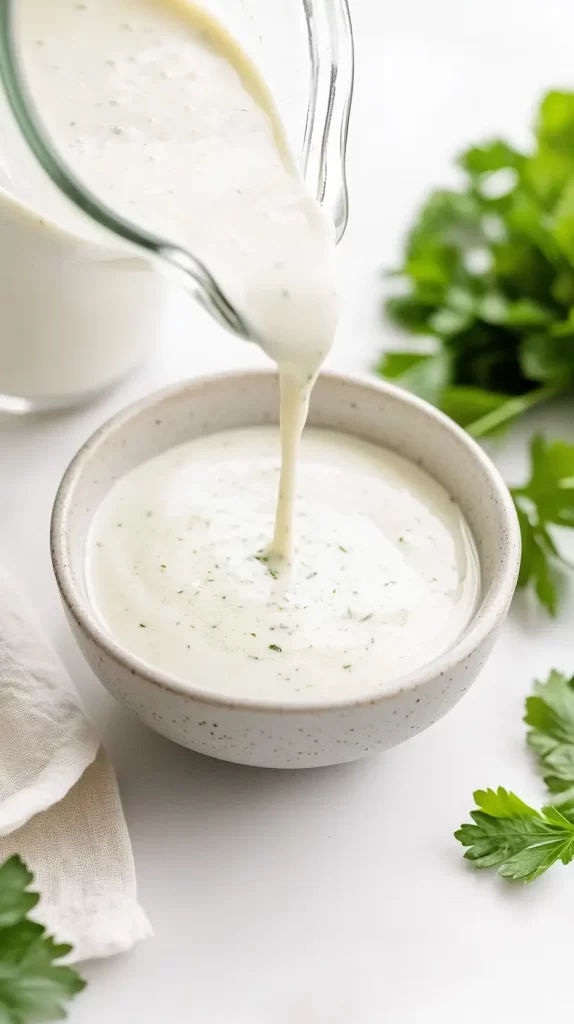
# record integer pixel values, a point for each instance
(486, 280)
(546, 500)
(514, 838)
(506, 833)
(550, 713)
(32, 987)
(488, 274)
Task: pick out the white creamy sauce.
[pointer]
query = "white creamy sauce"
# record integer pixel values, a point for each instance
(191, 563)
(163, 115)
(385, 575)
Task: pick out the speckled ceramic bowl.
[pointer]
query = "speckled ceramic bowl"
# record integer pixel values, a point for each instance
(268, 733)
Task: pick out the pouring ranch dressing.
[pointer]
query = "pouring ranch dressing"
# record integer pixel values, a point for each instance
(160, 113)
(189, 562)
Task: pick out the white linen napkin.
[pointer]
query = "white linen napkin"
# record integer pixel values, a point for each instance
(59, 803)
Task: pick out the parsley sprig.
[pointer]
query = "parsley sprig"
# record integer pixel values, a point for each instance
(487, 279)
(33, 987)
(509, 835)
(546, 500)
(550, 714)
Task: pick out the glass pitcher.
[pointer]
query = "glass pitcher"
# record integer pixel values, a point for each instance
(102, 305)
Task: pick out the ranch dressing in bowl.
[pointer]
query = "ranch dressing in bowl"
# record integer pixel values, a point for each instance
(385, 574)
(208, 713)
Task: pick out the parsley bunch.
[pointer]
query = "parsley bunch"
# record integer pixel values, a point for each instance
(488, 277)
(507, 834)
(32, 986)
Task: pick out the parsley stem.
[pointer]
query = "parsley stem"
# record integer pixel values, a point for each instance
(513, 408)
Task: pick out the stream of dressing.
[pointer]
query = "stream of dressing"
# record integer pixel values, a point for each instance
(161, 113)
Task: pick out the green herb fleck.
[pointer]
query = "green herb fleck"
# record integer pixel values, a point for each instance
(142, 625)
(346, 667)
(264, 559)
(274, 647)
(344, 550)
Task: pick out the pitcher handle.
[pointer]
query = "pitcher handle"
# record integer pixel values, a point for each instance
(331, 57)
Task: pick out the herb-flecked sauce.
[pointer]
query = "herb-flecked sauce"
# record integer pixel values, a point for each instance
(384, 576)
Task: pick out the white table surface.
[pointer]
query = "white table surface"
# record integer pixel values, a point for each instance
(337, 896)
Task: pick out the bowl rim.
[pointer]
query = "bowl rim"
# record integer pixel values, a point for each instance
(487, 616)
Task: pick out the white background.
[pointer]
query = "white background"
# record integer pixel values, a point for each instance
(338, 896)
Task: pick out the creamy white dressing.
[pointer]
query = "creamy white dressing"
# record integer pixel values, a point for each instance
(385, 575)
(191, 563)
(162, 114)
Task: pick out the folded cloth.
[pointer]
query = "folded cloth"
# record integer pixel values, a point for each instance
(59, 803)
